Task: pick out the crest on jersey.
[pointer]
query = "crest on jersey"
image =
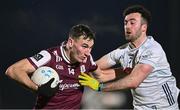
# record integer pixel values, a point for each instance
(83, 69)
(58, 58)
(37, 57)
(148, 54)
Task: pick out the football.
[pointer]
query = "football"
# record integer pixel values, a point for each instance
(43, 74)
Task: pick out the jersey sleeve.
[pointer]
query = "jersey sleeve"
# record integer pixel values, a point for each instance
(114, 57)
(40, 59)
(151, 56)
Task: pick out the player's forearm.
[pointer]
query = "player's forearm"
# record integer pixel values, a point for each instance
(132, 80)
(125, 83)
(110, 74)
(114, 86)
(21, 77)
(29, 84)
(104, 75)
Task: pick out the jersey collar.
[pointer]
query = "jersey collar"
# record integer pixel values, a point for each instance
(64, 55)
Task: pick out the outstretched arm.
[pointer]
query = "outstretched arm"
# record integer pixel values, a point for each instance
(133, 80)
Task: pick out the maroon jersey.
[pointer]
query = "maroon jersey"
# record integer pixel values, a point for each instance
(70, 91)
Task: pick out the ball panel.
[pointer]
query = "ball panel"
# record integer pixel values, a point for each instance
(43, 74)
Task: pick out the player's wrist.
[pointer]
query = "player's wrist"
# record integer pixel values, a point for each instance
(100, 87)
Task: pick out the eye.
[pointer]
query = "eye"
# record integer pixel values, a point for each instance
(132, 22)
(84, 46)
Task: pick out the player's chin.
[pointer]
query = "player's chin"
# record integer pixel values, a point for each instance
(79, 60)
(128, 37)
(82, 60)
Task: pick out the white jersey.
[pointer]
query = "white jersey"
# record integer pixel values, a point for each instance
(159, 89)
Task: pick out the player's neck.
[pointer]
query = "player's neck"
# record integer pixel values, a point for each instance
(67, 52)
(138, 42)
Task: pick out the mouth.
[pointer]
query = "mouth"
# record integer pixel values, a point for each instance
(84, 59)
(128, 32)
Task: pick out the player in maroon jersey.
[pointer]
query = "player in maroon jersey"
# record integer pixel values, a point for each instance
(69, 59)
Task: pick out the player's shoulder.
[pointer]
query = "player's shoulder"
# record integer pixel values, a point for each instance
(153, 47)
(123, 46)
(121, 49)
(153, 44)
(54, 48)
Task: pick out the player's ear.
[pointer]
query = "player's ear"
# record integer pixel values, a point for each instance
(144, 27)
(70, 42)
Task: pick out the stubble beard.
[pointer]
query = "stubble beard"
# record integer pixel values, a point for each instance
(132, 38)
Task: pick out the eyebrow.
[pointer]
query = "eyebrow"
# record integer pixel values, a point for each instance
(87, 45)
(130, 19)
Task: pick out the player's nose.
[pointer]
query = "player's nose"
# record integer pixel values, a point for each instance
(88, 52)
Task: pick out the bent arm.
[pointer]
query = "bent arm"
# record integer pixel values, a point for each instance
(101, 73)
(105, 73)
(20, 72)
(133, 80)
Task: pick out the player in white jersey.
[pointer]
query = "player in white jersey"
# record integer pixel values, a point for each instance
(144, 64)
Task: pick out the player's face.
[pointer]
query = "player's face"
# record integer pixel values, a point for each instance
(133, 26)
(81, 49)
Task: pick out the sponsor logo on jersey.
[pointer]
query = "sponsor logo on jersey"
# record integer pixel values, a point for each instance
(37, 57)
(68, 86)
(59, 67)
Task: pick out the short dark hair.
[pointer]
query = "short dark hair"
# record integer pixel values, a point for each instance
(138, 9)
(81, 29)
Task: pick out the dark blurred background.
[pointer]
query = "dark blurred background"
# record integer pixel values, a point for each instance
(28, 26)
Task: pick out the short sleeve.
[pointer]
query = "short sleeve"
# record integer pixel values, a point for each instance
(151, 56)
(114, 56)
(40, 59)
